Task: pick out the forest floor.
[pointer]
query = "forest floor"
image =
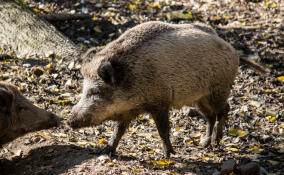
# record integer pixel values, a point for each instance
(253, 139)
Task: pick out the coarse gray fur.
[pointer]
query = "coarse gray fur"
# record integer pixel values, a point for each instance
(153, 68)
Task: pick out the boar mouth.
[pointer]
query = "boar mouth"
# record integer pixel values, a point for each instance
(79, 122)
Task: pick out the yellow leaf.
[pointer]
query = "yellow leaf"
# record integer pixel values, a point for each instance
(140, 117)
(110, 164)
(137, 170)
(241, 133)
(132, 6)
(94, 18)
(21, 88)
(272, 5)
(232, 149)
(205, 158)
(102, 141)
(36, 10)
(133, 154)
(255, 148)
(46, 9)
(151, 152)
(46, 137)
(216, 17)
(232, 132)
(281, 78)
(242, 114)
(163, 162)
(267, 90)
(189, 142)
(4, 62)
(177, 128)
(272, 119)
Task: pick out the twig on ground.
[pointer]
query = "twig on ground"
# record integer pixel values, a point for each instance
(64, 17)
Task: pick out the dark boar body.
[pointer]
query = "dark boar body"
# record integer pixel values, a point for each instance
(19, 116)
(152, 68)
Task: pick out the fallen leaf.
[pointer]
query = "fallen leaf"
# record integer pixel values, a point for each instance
(205, 158)
(255, 148)
(232, 149)
(191, 166)
(110, 164)
(232, 132)
(17, 153)
(272, 119)
(102, 141)
(273, 162)
(281, 78)
(241, 133)
(163, 162)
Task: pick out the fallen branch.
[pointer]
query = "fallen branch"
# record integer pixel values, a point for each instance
(64, 17)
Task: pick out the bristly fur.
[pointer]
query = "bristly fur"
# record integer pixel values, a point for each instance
(133, 38)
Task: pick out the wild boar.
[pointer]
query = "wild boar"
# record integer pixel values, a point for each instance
(152, 68)
(19, 116)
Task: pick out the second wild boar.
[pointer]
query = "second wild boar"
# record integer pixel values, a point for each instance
(19, 116)
(152, 68)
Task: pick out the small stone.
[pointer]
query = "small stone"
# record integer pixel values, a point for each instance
(250, 169)
(71, 65)
(104, 158)
(68, 83)
(228, 166)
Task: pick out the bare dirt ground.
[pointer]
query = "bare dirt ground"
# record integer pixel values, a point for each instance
(255, 126)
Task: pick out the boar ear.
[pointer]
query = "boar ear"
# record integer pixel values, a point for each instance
(107, 73)
(6, 99)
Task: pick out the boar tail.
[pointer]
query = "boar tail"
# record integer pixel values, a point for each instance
(254, 65)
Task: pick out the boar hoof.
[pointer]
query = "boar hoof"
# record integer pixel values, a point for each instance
(108, 150)
(205, 142)
(167, 154)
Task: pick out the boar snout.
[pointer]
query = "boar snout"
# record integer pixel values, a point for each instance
(55, 120)
(76, 121)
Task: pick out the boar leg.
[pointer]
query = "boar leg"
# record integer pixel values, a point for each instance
(221, 117)
(119, 130)
(161, 119)
(210, 115)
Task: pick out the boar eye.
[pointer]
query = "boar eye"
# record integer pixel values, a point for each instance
(93, 91)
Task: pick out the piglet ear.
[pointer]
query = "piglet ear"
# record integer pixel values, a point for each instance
(6, 99)
(107, 73)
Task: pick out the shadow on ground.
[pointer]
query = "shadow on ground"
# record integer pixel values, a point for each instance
(55, 159)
